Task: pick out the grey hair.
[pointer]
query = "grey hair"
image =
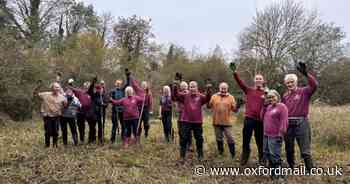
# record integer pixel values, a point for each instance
(291, 76)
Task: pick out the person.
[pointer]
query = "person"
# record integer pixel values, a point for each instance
(98, 102)
(222, 105)
(117, 110)
(275, 120)
(52, 106)
(179, 109)
(166, 112)
(191, 117)
(86, 112)
(69, 117)
(131, 114)
(254, 97)
(146, 108)
(297, 100)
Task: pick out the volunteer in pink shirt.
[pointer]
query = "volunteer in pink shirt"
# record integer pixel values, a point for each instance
(297, 100)
(275, 120)
(254, 97)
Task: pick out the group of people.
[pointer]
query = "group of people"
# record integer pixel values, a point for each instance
(272, 118)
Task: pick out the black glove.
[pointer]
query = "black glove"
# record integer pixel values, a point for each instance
(233, 66)
(301, 67)
(178, 76)
(94, 80)
(127, 72)
(69, 99)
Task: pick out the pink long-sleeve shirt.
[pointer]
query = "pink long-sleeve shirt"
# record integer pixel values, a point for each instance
(275, 119)
(298, 101)
(192, 105)
(139, 91)
(254, 99)
(130, 105)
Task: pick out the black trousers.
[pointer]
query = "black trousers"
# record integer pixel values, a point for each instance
(131, 127)
(92, 128)
(51, 130)
(145, 121)
(250, 126)
(186, 128)
(167, 124)
(117, 117)
(73, 129)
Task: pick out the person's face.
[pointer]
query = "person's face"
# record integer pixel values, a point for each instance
(259, 81)
(183, 87)
(272, 99)
(291, 84)
(193, 88)
(223, 89)
(118, 84)
(56, 88)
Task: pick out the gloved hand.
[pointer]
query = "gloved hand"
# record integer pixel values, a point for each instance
(233, 66)
(301, 67)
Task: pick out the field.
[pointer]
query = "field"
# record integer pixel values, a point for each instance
(23, 158)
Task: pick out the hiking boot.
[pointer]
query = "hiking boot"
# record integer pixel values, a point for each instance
(232, 149)
(220, 145)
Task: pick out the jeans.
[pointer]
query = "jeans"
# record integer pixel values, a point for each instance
(186, 128)
(51, 130)
(250, 126)
(167, 124)
(272, 151)
(301, 132)
(73, 129)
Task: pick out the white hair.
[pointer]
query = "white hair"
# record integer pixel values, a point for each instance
(183, 85)
(223, 84)
(291, 76)
(193, 83)
(129, 91)
(273, 92)
(166, 89)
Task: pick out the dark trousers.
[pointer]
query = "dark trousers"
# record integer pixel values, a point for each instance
(145, 121)
(92, 128)
(73, 129)
(131, 127)
(117, 117)
(301, 132)
(179, 123)
(272, 152)
(81, 118)
(50, 128)
(250, 126)
(186, 128)
(167, 124)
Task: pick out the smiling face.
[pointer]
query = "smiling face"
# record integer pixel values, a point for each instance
(259, 81)
(291, 81)
(118, 83)
(193, 87)
(223, 87)
(272, 98)
(56, 88)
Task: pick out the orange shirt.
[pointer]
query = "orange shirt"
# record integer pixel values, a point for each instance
(222, 107)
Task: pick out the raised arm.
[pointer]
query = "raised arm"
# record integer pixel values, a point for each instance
(240, 82)
(180, 97)
(312, 84)
(91, 87)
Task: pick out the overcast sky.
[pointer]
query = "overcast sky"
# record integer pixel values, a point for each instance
(203, 24)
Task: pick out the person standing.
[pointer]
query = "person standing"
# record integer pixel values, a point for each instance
(52, 106)
(69, 117)
(166, 112)
(254, 97)
(191, 117)
(223, 105)
(275, 119)
(297, 99)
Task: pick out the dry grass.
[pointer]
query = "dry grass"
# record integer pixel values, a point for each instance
(25, 160)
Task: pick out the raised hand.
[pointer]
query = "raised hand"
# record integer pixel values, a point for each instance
(301, 67)
(233, 66)
(127, 72)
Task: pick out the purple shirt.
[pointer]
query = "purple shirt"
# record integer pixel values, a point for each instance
(192, 105)
(254, 99)
(298, 101)
(275, 119)
(130, 105)
(165, 103)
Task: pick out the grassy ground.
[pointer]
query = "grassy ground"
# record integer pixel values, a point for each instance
(23, 158)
